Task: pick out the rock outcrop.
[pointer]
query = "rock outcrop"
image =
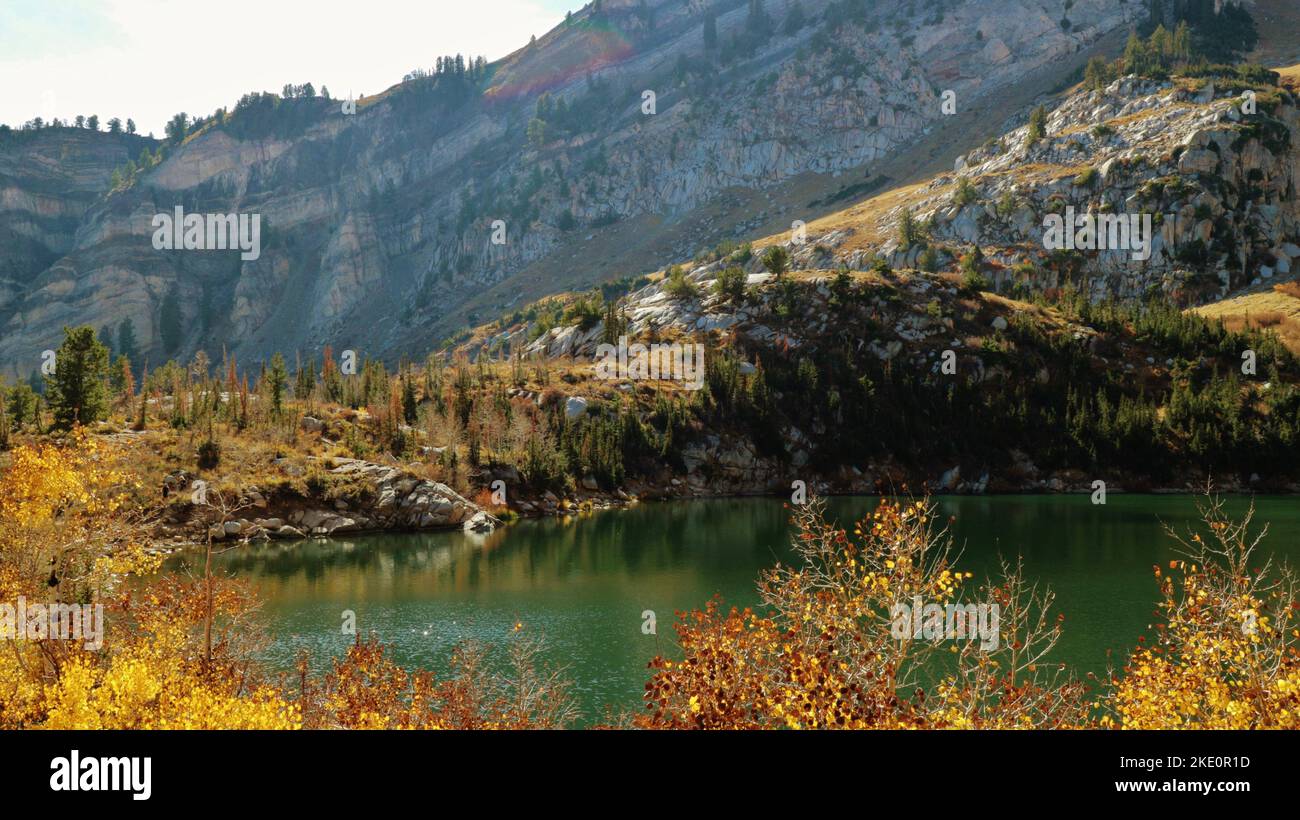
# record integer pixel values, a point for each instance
(379, 497)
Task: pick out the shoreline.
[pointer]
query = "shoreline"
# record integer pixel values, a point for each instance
(594, 503)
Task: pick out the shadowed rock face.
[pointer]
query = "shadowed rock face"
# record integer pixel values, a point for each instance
(377, 225)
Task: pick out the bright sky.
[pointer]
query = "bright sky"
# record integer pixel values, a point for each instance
(149, 59)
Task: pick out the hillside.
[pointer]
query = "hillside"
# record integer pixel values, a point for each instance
(378, 226)
(1080, 357)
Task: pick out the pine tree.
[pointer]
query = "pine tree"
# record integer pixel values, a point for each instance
(76, 388)
(1182, 42)
(409, 408)
(1135, 55)
(276, 379)
(142, 419)
(127, 383)
(170, 323)
(909, 232)
(1097, 74)
(711, 31)
(776, 260)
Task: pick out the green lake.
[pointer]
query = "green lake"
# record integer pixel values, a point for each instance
(584, 581)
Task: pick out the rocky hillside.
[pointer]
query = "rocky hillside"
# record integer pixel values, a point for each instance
(378, 226)
(861, 381)
(1220, 185)
(1081, 358)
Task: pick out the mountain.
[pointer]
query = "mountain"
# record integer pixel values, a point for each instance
(1220, 186)
(377, 226)
(49, 180)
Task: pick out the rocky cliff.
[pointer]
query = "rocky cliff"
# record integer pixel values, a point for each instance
(378, 226)
(48, 182)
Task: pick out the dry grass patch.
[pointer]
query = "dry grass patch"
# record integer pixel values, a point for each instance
(1277, 310)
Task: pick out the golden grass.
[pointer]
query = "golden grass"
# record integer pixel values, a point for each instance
(1277, 310)
(863, 218)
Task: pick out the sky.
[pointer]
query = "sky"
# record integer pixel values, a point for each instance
(149, 59)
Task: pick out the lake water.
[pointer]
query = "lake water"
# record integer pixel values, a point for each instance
(585, 581)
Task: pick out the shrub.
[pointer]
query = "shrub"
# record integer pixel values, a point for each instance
(677, 285)
(826, 655)
(1037, 126)
(776, 260)
(730, 284)
(209, 455)
(929, 260)
(965, 193)
(909, 231)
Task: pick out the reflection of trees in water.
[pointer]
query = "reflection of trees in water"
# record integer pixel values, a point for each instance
(634, 542)
(660, 535)
(314, 558)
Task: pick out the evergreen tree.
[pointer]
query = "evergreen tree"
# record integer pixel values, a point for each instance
(1037, 125)
(1135, 55)
(106, 338)
(276, 378)
(410, 410)
(909, 232)
(22, 405)
(711, 31)
(76, 388)
(776, 260)
(1097, 74)
(304, 380)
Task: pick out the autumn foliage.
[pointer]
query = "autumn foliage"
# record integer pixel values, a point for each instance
(66, 536)
(182, 652)
(1224, 655)
(824, 655)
